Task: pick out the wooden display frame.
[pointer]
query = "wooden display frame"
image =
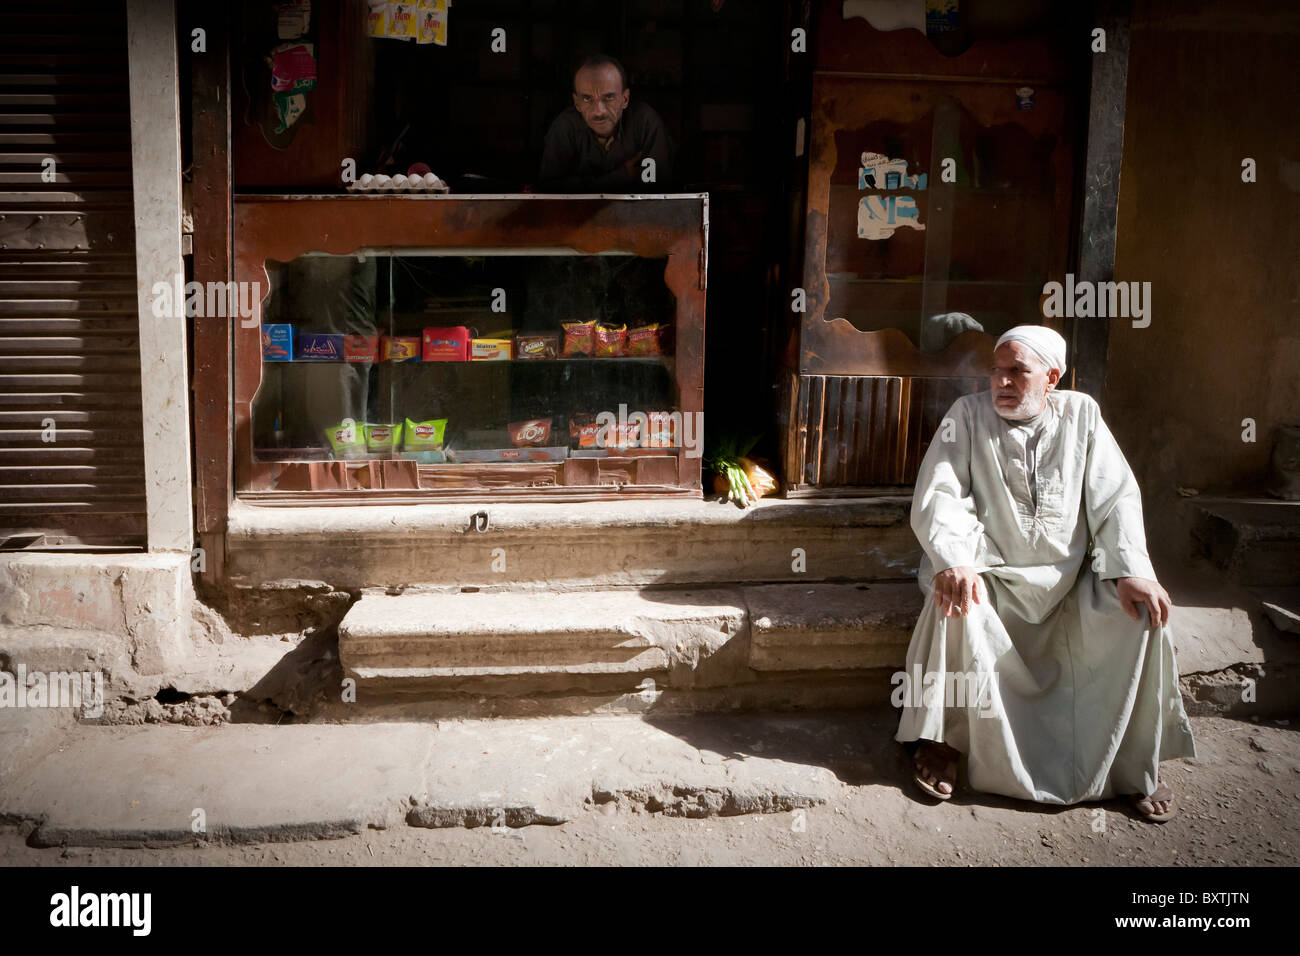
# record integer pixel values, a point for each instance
(282, 227)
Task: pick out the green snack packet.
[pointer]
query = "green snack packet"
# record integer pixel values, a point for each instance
(346, 439)
(384, 437)
(425, 436)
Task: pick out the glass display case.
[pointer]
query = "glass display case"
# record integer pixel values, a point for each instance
(481, 347)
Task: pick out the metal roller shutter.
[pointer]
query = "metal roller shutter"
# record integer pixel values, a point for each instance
(69, 349)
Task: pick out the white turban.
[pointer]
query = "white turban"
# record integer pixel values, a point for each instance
(1042, 341)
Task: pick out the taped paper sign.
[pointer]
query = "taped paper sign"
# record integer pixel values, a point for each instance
(879, 215)
(880, 172)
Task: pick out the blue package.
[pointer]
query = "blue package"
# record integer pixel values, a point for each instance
(319, 347)
(277, 343)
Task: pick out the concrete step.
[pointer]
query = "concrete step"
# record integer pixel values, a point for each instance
(829, 626)
(454, 639)
(601, 544)
(648, 641)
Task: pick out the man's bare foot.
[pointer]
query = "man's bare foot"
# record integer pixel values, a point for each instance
(1159, 806)
(936, 768)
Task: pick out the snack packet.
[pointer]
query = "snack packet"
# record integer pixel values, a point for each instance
(543, 346)
(619, 436)
(644, 340)
(347, 439)
(535, 432)
(579, 338)
(360, 348)
(610, 340)
(583, 430)
(424, 436)
(399, 348)
(661, 430)
(383, 438)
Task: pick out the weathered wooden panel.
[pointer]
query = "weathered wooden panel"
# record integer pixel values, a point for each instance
(861, 431)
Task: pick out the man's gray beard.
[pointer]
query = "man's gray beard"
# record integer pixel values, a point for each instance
(1021, 412)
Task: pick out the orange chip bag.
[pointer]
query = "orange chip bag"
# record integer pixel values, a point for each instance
(644, 340)
(579, 338)
(610, 340)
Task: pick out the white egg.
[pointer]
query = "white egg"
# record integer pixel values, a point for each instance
(365, 180)
(383, 182)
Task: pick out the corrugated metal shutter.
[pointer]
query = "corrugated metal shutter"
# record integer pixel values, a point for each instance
(69, 349)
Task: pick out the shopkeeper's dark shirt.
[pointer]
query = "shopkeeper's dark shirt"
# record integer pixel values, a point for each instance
(574, 161)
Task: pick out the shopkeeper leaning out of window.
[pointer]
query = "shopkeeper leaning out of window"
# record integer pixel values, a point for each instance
(599, 145)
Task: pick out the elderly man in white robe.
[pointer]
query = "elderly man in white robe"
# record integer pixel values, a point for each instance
(1073, 659)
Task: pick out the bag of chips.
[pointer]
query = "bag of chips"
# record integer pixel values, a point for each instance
(644, 340)
(383, 438)
(424, 436)
(579, 338)
(610, 340)
(347, 439)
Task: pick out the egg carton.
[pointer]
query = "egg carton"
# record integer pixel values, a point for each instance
(401, 183)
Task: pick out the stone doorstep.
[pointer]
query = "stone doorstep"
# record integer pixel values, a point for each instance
(682, 543)
(683, 638)
(725, 640)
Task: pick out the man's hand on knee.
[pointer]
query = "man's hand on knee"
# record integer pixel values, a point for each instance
(1134, 592)
(955, 589)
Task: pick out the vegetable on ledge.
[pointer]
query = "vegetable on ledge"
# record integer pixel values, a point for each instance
(738, 477)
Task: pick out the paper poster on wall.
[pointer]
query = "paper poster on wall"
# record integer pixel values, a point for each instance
(883, 212)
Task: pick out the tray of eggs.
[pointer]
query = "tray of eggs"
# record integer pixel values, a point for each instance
(418, 178)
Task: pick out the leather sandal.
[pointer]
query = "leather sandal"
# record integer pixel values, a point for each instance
(1154, 817)
(949, 776)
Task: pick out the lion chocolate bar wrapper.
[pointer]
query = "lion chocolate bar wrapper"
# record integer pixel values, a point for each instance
(535, 432)
(347, 439)
(579, 338)
(424, 436)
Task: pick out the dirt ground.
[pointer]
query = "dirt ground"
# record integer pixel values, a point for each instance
(1240, 807)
